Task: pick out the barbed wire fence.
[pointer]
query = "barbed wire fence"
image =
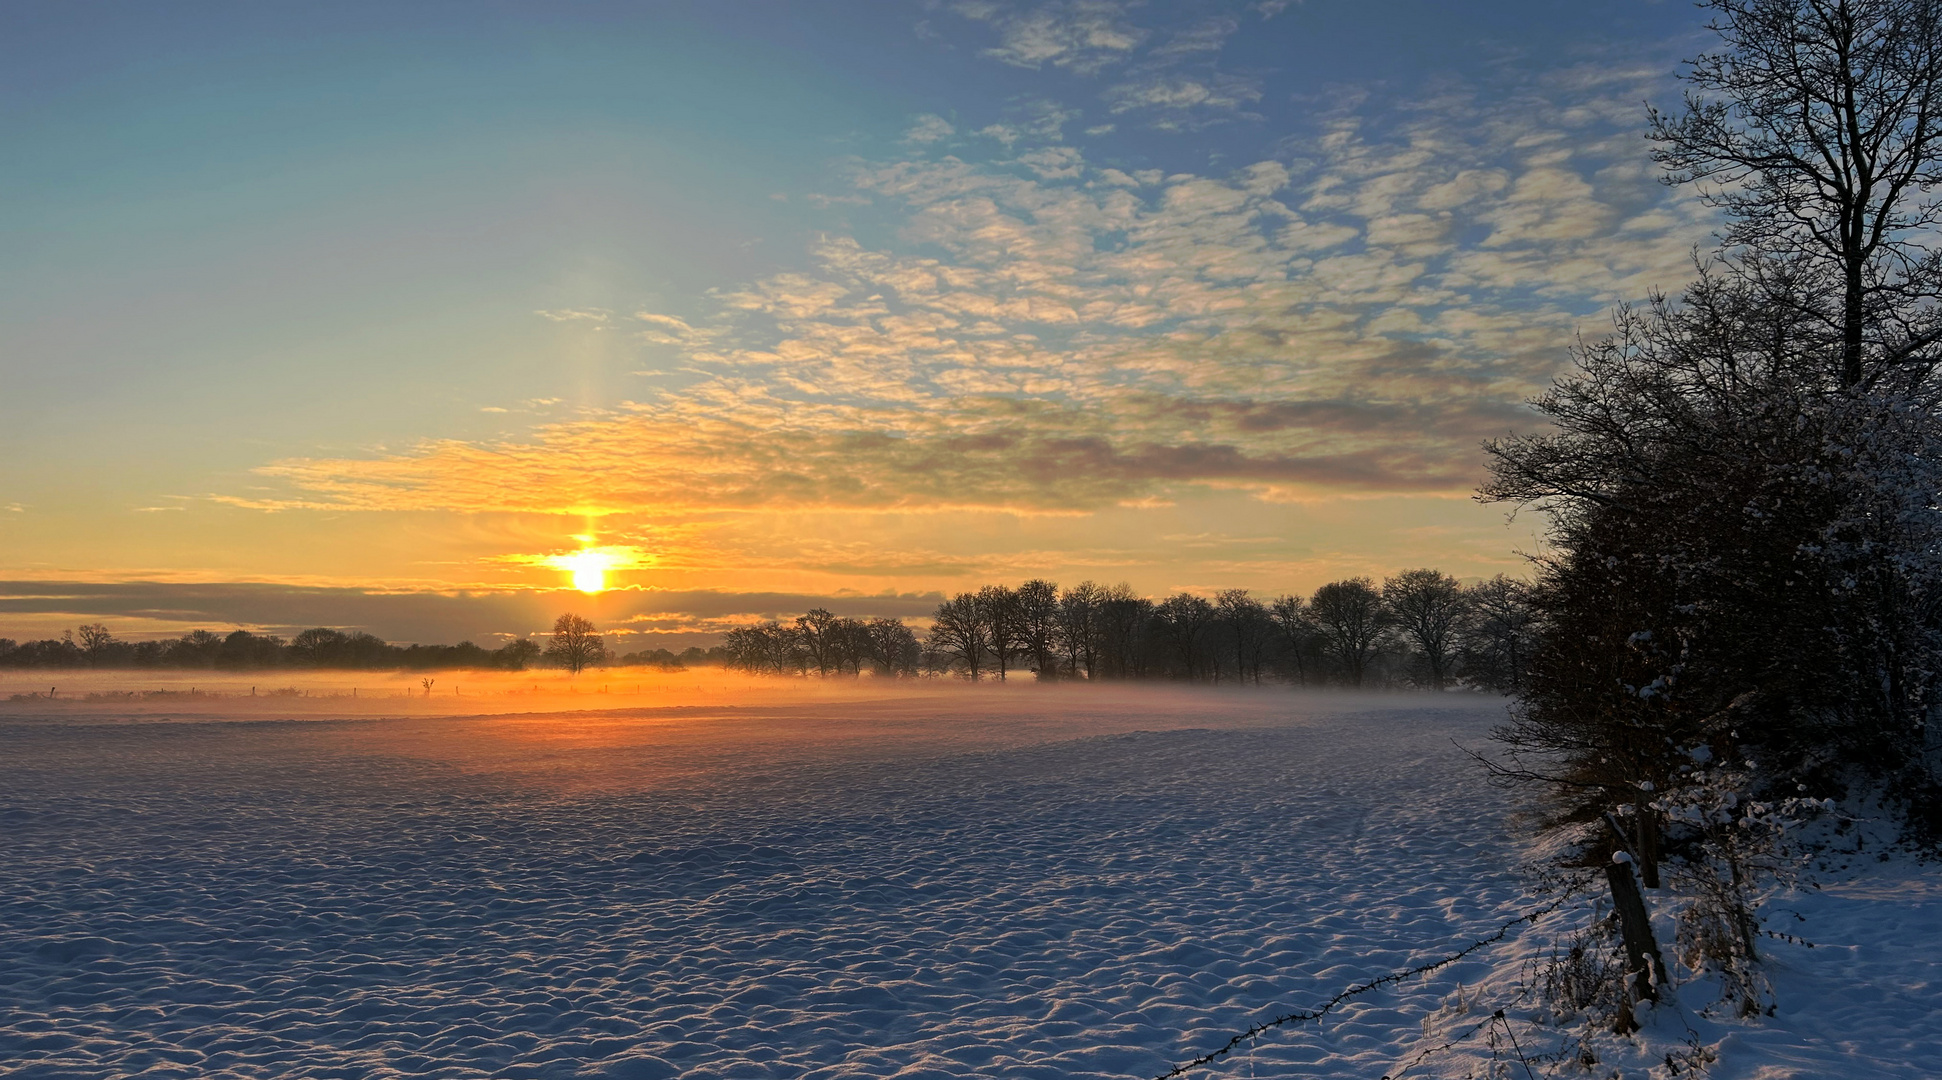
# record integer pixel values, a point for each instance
(1302, 1016)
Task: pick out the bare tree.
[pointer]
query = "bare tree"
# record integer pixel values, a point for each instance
(1079, 628)
(1038, 625)
(576, 644)
(1816, 129)
(1248, 630)
(768, 646)
(1501, 635)
(1292, 624)
(96, 642)
(1125, 621)
(849, 645)
(817, 632)
(960, 631)
(1004, 623)
(1186, 619)
(1352, 616)
(1428, 607)
(894, 648)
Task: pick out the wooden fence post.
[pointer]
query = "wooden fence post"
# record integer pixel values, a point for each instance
(1645, 969)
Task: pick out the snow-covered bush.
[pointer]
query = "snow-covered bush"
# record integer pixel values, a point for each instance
(1728, 845)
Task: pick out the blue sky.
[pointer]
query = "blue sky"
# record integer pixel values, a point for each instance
(834, 300)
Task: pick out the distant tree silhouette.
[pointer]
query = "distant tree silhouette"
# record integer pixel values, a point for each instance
(96, 642)
(961, 632)
(768, 646)
(1248, 630)
(1352, 618)
(515, 655)
(320, 646)
(1428, 606)
(1185, 619)
(1038, 625)
(1079, 628)
(1087, 631)
(1501, 636)
(850, 645)
(1296, 633)
(817, 634)
(1004, 625)
(576, 645)
(894, 648)
(1125, 624)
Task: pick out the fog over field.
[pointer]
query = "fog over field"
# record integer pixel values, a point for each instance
(791, 880)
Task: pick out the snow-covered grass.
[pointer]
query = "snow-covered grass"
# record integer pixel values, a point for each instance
(949, 881)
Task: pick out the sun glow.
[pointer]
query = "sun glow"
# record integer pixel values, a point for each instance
(590, 567)
(589, 570)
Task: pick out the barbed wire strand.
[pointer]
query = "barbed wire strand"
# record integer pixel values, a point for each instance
(1305, 1015)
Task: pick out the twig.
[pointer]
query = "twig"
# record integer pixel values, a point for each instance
(1499, 1017)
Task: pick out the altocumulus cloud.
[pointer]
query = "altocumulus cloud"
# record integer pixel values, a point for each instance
(1050, 334)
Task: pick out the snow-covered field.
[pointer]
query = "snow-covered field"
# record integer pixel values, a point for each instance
(955, 881)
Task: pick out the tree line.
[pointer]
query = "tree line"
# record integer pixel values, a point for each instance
(1420, 628)
(93, 645)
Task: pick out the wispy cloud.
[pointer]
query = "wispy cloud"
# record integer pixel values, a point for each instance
(1169, 76)
(929, 128)
(1085, 36)
(586, 315)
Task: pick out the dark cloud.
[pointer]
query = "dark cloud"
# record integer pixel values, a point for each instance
(681, 617)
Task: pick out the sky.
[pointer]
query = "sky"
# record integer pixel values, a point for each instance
(391, 316)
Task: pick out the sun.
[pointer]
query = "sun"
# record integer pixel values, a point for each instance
(589, 570)
(589, 567)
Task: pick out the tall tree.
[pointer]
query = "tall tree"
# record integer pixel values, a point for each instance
(1248, 630)
(1004, 623)
(818, 632)
(894, 648)
(96, 642)
(1124, 618)
(1353, 619)
(576, 644)
(1296, 631)
(1500, 637)
(1427, 606)
(1038, 625)
(1079, 628)
(1816, 128)
(1186, 619)
(960, 631)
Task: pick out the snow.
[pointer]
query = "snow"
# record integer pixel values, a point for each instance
(951, 881)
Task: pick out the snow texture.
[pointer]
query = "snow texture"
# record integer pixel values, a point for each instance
(1007, 884)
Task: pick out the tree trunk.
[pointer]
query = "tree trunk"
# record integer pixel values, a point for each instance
(1851, 324)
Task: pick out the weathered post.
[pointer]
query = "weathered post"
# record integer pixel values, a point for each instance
(1648, 846)
(1644, 848)
(1645, 969)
